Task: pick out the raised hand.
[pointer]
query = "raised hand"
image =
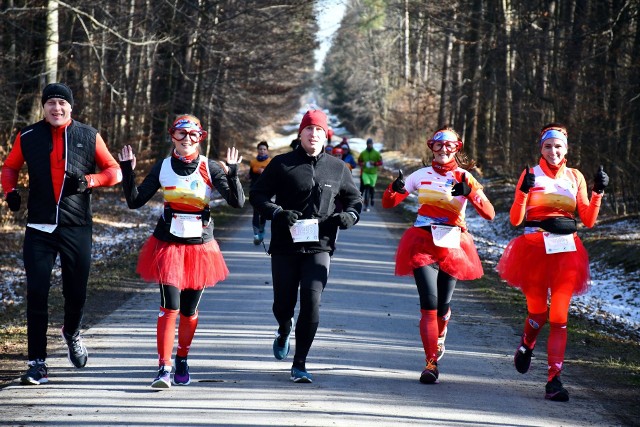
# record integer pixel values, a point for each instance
(233, 157)
(398, 184)
(600, 180)
(126, 155)
(529, 180)
(461, 188)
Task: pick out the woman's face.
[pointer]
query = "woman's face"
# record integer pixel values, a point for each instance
(444, 151)
(186, 141)
(553, 150)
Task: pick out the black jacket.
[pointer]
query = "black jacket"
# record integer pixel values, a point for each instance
(228, 186)
(310, 185)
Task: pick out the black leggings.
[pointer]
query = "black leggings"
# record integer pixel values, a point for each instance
(435, 288)
(309, 272)
(186, 301)
(39, 252)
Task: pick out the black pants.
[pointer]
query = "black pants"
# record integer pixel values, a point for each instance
(40, 250)
(435, 288)
(186, 301)
(258, 222)
(309, 273)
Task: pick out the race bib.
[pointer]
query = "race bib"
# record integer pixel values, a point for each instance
(556, 243)
(186, 225)
(304, 230)
(47, 228)
(446, 236)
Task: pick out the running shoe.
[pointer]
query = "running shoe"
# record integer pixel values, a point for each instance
(430, 373)
(441, 348)
(36, 373)
(256, 239)
(77, 352)
(522, 358)
(281, 346)
(163, 380)
(300, 376)
(555, 392)
(181, 377)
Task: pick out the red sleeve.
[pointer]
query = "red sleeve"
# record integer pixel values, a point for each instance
(110, 173)
(11, 168)
(390, 198)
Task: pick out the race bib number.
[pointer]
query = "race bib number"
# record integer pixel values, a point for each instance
(556, 243)
(47, 228)
(186, 225)
(304, 230)
(446, 236)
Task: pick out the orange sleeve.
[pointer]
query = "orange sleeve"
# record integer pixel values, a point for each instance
(390, 198)
(479, 200)
(110, 173)
(587, 210)
(519, 206)
(11, 167)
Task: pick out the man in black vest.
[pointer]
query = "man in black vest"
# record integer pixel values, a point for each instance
(62, 157)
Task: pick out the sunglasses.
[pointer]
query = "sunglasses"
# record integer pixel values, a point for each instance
(181, 134)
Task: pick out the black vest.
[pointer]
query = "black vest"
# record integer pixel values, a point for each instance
(80, 155)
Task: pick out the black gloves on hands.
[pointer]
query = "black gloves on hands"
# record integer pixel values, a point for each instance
(343, 220)
(600, 180)
(529, 180)
(398, 184)
(13, 200)
(461, 188)
(75, 183)
(286, 218)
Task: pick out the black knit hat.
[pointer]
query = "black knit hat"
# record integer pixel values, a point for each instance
(57, 90)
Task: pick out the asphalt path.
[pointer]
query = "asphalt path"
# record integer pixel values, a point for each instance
(366, 359)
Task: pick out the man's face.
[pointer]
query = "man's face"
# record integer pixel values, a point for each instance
(312, 139)
(57, 112)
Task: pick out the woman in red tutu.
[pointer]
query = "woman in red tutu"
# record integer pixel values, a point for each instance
(182, 254)
(438, 250)
(549, 259)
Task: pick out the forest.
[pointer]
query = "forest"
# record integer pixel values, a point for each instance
(496, 70)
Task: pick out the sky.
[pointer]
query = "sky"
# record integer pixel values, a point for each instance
(329, 14)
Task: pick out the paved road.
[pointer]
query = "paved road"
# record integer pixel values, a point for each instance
(366, 359)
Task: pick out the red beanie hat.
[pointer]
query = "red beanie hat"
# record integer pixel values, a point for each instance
(314, 117)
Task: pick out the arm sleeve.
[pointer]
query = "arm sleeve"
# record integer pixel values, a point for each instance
(110, 173)
(11, 167)
(479, 200)
(519, 206)
(391, 199)
(139, 196)
(587, 210)
(349, 195)
(228, 185)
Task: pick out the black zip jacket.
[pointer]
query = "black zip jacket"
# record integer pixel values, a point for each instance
(310, 185)
(228, 186)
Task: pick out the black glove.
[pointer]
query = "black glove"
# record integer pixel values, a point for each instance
(600, 180)
(528, 182)
(343, 220)
(13, 200)
(233, 170)
(398, 184)
(286, 218)
(75, 183)
(461, 188)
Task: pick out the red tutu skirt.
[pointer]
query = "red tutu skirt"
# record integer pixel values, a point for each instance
(416, 249)
(182, 266)
(525, 265)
